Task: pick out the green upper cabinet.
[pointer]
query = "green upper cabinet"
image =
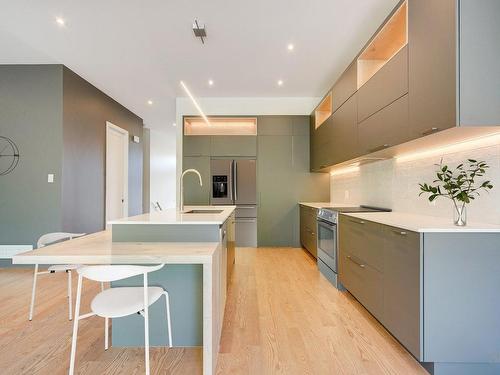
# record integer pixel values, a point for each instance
(196, 145)
(194, 194)
(233, 145)
(274, 125)
(431, 66)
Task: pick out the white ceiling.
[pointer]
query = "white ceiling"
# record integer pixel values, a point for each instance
(139, 50)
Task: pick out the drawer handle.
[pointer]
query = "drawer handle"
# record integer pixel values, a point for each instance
(357, 263)
(356, 221)
(401, 233)
(430, 131)
(378, 148)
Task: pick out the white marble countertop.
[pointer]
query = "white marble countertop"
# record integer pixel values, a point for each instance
(174, 216)
(98, 248)
(423, 223)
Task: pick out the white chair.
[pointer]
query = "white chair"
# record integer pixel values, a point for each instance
(120, 301)
(45, 240)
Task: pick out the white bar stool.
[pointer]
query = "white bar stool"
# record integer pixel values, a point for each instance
(119, 302)
(45, 240)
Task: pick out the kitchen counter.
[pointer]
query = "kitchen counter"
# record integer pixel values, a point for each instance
(423, 223)
(174, 216)
(98, 248)
(318, 204)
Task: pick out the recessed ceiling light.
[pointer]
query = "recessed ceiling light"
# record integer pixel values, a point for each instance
(174, 124)
(210, 82)
(290, 47)
(60, 21)
(280, 82)
(150, 102)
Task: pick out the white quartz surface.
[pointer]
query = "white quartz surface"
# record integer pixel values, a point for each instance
(422, 223)
(174, 216)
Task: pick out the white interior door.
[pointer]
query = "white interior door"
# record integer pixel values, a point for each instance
(116, 172)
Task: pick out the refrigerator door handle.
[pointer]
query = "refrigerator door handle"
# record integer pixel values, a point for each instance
(235, 163)
(231, 181)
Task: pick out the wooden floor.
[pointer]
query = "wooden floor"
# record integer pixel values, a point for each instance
(282, 317)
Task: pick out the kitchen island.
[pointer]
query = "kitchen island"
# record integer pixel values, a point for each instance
(198, 250)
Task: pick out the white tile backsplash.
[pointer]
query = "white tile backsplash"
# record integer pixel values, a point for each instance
(394, 184)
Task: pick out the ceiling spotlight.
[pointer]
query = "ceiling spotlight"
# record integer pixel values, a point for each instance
(150, 102)
(290, 47)
(280, 83)
(199, 31)
(60, 21)
(210, 82)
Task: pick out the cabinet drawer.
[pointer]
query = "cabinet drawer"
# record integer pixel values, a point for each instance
(308, 228)
(363, 239)
(387, 85)
(386, 128)
(363, 282)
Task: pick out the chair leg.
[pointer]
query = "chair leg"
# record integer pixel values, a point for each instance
(75, 326)
(106, 333)
(146, 324)
(70, 296)
(32, 305)
(169, 323)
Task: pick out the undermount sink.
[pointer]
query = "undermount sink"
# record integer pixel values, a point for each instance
(203, 212)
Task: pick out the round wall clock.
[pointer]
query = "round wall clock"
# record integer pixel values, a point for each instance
(9, 156)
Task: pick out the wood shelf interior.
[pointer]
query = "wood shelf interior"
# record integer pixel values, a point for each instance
(389, 40)
(323, 110)
(220, 126)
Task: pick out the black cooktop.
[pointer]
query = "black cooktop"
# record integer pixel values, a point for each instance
(357, 209)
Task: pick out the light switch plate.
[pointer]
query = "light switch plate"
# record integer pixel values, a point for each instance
(136, 139)
(50, 178)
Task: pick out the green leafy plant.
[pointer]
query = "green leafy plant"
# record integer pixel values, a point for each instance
(459, 184)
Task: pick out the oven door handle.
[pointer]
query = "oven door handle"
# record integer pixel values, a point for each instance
(325, 223)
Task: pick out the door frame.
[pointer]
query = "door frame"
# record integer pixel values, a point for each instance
(109, 128)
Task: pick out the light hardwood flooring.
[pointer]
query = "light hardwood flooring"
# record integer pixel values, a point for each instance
(282, 317)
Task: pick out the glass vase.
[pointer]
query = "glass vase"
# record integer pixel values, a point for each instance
(460, 215)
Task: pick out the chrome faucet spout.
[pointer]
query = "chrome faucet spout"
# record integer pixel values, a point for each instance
(181, 206)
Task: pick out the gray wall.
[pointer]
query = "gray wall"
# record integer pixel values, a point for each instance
(146, 159)
(85, 112)
(31, 115)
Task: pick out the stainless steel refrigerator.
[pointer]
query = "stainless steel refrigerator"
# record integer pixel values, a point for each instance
(234, 182)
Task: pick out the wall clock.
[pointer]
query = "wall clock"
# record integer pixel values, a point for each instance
(9, 155)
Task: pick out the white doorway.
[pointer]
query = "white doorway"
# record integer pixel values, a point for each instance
(116, 172)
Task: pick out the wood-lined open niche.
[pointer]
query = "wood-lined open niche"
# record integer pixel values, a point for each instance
(389, 40)
(323, 110)
(220, 126)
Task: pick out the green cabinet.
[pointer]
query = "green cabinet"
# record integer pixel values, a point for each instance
(194, 194)
(233, 145)
(196, 145)
(385, 128)
(345, 86)
(380, 266)
(308, 236)
(284, 178)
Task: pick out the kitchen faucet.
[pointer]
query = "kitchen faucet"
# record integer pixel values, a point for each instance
(182, 187)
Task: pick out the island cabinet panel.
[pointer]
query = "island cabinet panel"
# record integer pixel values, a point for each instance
(432, 35)
(385, 86)
(385, 128)
(196, 145)
(233, 145)
(345, 86)
(308, 229)
(401, 286)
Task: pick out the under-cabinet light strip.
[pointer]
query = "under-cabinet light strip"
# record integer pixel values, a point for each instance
(344, 171)
(470, 144)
